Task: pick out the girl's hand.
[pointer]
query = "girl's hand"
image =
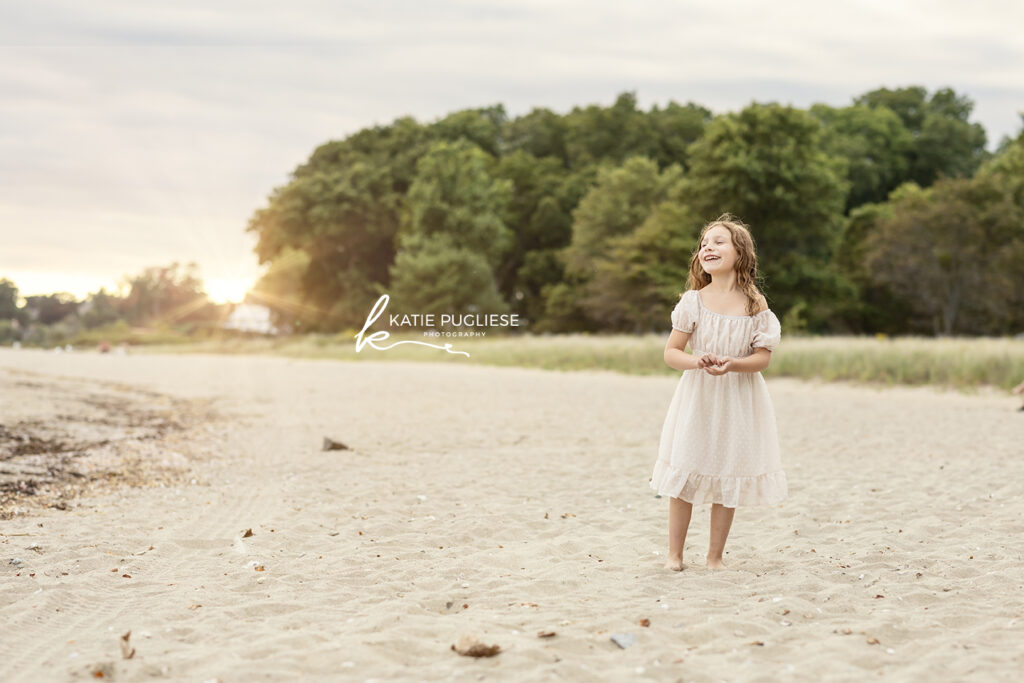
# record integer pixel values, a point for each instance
(723, 366)
(706, 360)
(1019, 389)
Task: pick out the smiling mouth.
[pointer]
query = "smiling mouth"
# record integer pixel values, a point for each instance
(711, 258)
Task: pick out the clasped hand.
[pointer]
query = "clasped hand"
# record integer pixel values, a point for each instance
(715, 365)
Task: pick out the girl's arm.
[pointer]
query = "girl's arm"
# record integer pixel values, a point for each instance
(675, 351)
(755, 362)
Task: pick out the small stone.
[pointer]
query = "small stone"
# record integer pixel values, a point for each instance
(623, 640)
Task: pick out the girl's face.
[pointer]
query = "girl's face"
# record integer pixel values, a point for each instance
(717, 254)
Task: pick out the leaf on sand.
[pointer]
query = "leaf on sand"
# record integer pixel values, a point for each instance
(545, 634)
(332, 445)
(127, 651)
(470, 646)
(247, 533)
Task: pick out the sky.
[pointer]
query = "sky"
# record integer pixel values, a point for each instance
(133, 135)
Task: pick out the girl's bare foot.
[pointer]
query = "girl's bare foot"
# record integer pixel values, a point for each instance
(716, 564)
(674, 563)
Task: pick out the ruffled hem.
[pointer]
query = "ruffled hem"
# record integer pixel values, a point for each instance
(766, 489)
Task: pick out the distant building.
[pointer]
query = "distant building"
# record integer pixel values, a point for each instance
(250, 318)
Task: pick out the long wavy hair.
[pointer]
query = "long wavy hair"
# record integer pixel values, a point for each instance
(746, 260)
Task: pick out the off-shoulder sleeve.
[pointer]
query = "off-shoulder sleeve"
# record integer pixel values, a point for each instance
(767, 331)
(685, 314)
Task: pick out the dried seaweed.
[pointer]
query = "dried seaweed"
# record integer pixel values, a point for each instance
(93, 435)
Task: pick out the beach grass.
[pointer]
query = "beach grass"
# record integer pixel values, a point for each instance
(961, 363)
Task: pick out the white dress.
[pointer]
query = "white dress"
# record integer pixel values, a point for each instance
(719, 443)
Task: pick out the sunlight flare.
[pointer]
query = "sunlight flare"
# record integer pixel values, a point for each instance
(225, 290)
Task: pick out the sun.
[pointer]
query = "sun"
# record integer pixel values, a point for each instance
(227, 290)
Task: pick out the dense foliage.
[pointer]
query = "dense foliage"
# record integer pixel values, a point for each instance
(887, 215)
(884, 216)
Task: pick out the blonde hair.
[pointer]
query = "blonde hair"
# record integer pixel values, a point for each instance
(746, 260)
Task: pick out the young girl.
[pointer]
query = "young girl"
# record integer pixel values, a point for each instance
(719, 443)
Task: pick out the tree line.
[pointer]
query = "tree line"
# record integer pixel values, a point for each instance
(887, 215)
(161, 295)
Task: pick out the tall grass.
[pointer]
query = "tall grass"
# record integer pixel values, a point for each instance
(957, 363)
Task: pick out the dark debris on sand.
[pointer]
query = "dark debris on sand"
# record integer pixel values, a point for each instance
(62, 438)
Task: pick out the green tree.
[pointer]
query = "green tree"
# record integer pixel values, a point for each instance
(437, 274)
(100, 308)
(1006, 141)
(48, 309)
(483, 127)
(612, 263)
(341, 209)
(456, 192)
(540, 211)
(640, 276)
(280, 289)
(875, 144)
(954, 253)
(9, 309)
(616, 205)
(456, 211)
(395, 148)
(944, 140)
(1006, 169)
(541, 269)
(609, 134)
(594, 134)
(168, 295)
(765, 164)
(540, 133)
(874, 308)
(675, 128)
(344, 217)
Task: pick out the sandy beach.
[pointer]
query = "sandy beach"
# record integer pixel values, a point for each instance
(501, 503)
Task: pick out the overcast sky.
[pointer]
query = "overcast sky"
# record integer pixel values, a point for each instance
(132, 136)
